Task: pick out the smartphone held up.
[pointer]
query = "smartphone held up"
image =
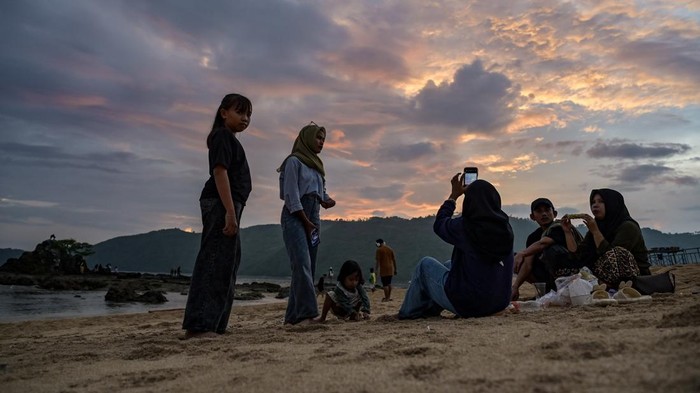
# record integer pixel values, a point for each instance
(470, 174)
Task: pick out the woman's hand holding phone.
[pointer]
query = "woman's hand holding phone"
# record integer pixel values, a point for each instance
(458, 187)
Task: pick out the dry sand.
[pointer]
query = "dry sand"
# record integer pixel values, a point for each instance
(637, 347)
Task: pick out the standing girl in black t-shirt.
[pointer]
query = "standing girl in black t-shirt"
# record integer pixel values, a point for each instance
(222, 200)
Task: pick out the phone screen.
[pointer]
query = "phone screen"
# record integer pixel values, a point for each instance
(470, 174)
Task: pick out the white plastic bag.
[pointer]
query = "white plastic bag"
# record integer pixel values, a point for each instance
(571, 289)
(580, 292)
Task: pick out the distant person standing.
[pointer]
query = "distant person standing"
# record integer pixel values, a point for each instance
(386, 267)
(221, 201)
(302, 184)
(372, 279)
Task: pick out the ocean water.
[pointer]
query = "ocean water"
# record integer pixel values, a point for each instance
(25, 303)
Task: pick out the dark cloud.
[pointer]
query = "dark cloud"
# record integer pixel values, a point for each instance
(476, 99)
(669, 53)
(390, 192)
(270, 42)
(18, 154)
(643, 174)
(650, 174)
(617, 149)
(684, 180)
(406, 153)
(378, 63)
(574, 147)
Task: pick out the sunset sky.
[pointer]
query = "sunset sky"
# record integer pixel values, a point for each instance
(105, 106)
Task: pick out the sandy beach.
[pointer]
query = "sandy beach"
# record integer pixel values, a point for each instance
(636, 347)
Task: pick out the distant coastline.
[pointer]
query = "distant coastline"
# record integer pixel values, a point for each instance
(264, 255)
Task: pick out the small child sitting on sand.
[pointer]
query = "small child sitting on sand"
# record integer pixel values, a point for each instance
(348, 300)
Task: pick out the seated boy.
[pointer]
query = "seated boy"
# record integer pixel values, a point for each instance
(528, 263)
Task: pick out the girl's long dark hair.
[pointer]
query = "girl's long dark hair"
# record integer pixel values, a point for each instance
(348, 268)
(240, 104)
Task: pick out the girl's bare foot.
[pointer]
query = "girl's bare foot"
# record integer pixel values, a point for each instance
(194, 334)
(309, 321)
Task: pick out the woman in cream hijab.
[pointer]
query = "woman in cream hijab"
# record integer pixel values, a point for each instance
(303, 190)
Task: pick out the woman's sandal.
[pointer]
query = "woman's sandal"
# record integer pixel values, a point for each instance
(601, 297)
(627, 294)
(599, 292)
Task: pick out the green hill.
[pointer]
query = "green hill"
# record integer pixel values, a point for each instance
(264, 253)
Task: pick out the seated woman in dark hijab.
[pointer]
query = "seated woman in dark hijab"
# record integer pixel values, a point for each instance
(476, 282)
(613, 248)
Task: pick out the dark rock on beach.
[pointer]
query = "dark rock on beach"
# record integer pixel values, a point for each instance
(127, 293)
(76, 283)
(248, 296)
(283, 293)
(120, 294)
(259, 287)
(17, 279)
(153, 297)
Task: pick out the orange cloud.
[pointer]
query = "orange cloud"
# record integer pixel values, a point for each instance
(336, 140)
(518, 164)
(533, 118)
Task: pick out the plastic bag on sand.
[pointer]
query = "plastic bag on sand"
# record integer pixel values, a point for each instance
(580, 292)
(570, 290)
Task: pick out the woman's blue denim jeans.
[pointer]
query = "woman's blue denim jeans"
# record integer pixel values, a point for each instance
(302, 302)
(426, 296)
(210, 298)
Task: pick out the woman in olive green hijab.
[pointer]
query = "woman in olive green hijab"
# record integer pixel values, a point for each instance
(303, 190)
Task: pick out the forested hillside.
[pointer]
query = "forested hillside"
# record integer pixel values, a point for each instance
(264, 252)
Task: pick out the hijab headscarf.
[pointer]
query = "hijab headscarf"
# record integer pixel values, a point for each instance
(615, 211)
(485, 224)
(303, 151)
(615, 214)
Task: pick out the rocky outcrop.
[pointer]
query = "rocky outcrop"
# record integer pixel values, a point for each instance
(283, 293)
(153, 297)
(120, 294)
(123, 294)
(74, 283)
(51, 257)
(248, 296)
